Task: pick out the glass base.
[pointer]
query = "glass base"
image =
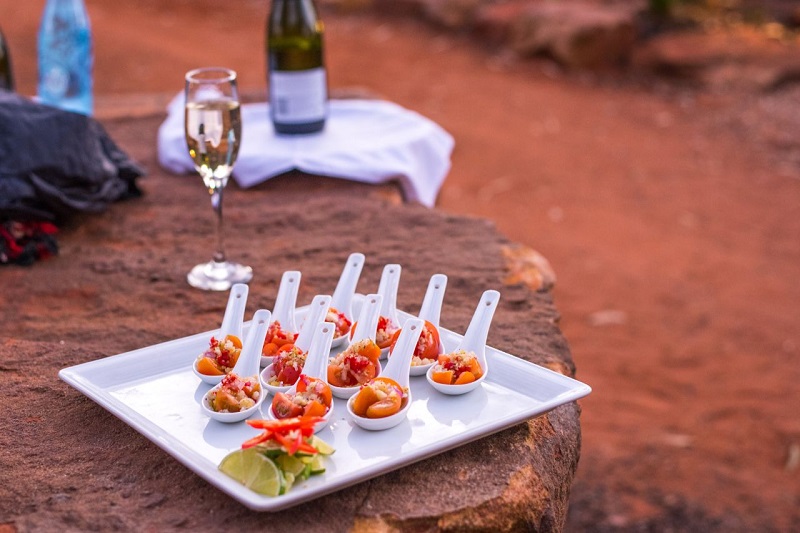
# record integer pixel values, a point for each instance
(213, 276)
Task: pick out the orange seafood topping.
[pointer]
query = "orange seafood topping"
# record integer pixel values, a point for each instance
(457, 368)
(379, 398)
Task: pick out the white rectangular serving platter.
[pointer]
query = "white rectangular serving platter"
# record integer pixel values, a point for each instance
(154, 390)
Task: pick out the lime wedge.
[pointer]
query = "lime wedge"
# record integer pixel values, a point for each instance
(289, 481)
(290, 464)
(322, 447)
(253, 470)
(317, 465)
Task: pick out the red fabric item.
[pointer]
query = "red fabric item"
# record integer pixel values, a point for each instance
(23, 243)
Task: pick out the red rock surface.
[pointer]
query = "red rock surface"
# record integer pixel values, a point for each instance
(668, 211)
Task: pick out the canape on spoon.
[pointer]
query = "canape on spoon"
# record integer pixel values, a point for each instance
(310, 395)
(388, 322)
(219, 359)
(288, 363)
(429, 346)
(283, 327)
(466, 368)
(383, 402)
(239, 395)
(359, 362)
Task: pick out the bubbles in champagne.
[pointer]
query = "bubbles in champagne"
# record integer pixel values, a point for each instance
(213, 134)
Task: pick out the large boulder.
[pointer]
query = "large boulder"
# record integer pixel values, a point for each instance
(576, 34)
(452, 13)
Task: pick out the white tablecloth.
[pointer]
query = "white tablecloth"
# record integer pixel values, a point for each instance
(370, 141)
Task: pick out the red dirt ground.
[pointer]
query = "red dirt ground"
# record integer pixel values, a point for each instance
(669, 213)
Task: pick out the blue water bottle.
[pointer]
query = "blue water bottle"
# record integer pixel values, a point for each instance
(66, 56)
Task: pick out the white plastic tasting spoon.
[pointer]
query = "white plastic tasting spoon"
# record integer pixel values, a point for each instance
(316, 366)
(365, 329)
(474, 341)
(397, 369)
(342, 299)
(246, 367)
(234, 311)
(316, 314)
(387, 288)
(431, 311)
(231, 324)
(285, 302)
(368, 318)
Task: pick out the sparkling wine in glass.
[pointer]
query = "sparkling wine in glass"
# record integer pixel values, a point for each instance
(213, 129)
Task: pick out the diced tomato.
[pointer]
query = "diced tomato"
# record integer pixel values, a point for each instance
(475, 368)
(383, 324)
(428, 344)
(457, 368)
(384, 333)
(357, 364)
(316, 386)
(335, 376)
(288, 375)
(340, 320)
(384, 408)
(236, 341)
(371, 351)
(465, 377)
(284, 407)
(303, 383)
(269, 349)
(370, 371)
(445, 377)
(224, 401)
(277, 337)
(324, 392)
(209, 367)
(379, 398)
(364, 398)
(287, 365)
(250, 387)
(315, 408)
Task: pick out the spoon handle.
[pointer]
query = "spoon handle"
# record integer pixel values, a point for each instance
(390, 281)
(317, 358)
(432, 303)
(343, 294)
(399, 364)
(250, 357)
(316, 314)
(234, 311)
(286, 300)
(367, 325)
(478, 330)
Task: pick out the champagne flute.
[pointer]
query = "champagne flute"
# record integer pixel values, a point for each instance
(213, 128)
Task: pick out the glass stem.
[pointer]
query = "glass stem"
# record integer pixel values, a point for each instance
(216, 203)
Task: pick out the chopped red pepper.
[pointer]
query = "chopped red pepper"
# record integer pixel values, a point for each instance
(288, 432)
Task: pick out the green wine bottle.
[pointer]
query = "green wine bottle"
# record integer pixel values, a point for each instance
(298, 86)
(6, 76)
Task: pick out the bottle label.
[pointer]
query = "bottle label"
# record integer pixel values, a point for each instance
(298, 96)
(55, 82)
(65, 66)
